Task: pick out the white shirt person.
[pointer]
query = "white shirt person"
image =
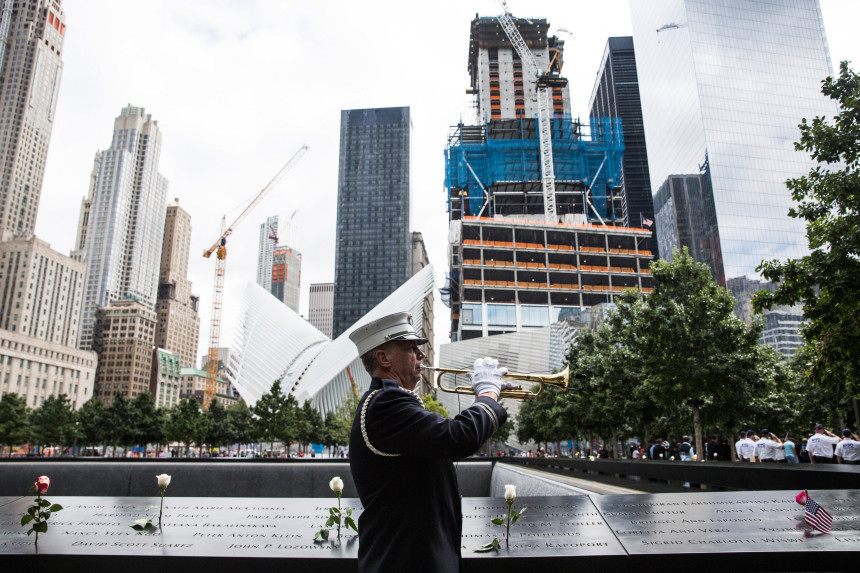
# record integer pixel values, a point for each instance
(848, 450)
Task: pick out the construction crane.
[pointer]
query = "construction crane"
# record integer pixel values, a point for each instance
(220, 250)
(545, 82)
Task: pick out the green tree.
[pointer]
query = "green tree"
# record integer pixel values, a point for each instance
(147, 421)
(612, 399)
(241, 422)
(53, 423)
(311, 429)
(220, 426)
(13, 421)
(827, 281)
(92, 423)
(201, 431)
(338, 424)
(184, 423)
(695, 352)
(118, 418)
(276, 417)
(432, 404)
(539, 421)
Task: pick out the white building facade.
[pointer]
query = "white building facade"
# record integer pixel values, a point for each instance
(272, 342)
(31, 44)
(121, 227)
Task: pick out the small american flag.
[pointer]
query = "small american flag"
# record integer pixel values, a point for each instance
(815, 516)
(647, 222)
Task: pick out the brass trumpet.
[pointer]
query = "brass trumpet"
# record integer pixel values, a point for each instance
(560, 380)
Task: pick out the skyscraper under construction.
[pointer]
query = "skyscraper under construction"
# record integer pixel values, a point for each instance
(510, 267)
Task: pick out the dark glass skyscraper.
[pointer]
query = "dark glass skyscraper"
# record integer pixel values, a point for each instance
(374, 244)
(616, 95)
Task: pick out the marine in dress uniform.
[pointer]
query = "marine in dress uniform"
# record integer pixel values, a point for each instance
(401, 455)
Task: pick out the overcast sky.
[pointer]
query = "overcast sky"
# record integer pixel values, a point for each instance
(238, 86)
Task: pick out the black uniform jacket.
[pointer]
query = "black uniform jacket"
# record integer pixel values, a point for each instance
(412, 519)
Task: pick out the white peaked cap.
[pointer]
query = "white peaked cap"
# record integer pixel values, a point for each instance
(397, 326)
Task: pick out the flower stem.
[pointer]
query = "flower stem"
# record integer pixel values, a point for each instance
(508, 525)
(38, 514)
(161, 509)
(339, 516)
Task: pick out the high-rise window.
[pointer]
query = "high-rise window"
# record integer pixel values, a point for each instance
(374, 243)
(723, 87)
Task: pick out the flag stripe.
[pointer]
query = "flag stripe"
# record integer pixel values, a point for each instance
(817, 516)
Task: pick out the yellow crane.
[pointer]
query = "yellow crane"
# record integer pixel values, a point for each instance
(220, 250)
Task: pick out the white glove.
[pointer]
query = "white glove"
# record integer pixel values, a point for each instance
(487, 376)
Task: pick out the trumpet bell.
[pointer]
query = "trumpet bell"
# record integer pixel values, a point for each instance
(560, 380)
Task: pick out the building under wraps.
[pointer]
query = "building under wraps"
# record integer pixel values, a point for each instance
(510, 269)
(494, 169)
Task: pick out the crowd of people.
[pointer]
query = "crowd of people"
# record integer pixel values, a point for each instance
(819, 447)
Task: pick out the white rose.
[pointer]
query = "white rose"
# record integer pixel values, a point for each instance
(163, 481)
(510, 492)
(591, 458)
(672, 459)
(336, 485)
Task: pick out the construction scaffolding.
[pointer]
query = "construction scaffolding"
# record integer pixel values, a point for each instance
(495, 169)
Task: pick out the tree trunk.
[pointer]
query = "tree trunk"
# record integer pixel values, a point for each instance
(614, 443)
(646, 436)
(856, 412)
(733, 455)
(697, 427)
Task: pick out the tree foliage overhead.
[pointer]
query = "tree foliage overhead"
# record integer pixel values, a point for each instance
(827, 281)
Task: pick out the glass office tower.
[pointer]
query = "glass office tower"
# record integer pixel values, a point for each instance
(724, 85)
(374, 245)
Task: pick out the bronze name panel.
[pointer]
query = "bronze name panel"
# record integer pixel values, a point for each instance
(745, 530)
(751, 521)
(285, 527)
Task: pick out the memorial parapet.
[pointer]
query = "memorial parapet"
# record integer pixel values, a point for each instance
(752, 530)
(744, 531)
(676, 476)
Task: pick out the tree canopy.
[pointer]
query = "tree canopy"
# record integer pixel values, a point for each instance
(676, 360)
(13, 420)
(827, 281)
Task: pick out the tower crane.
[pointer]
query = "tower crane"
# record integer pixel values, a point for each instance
(545, 82)
(220, 250)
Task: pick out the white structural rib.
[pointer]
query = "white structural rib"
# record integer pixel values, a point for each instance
(273, 342)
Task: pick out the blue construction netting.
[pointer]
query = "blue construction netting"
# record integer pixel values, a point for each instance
(577, 157)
